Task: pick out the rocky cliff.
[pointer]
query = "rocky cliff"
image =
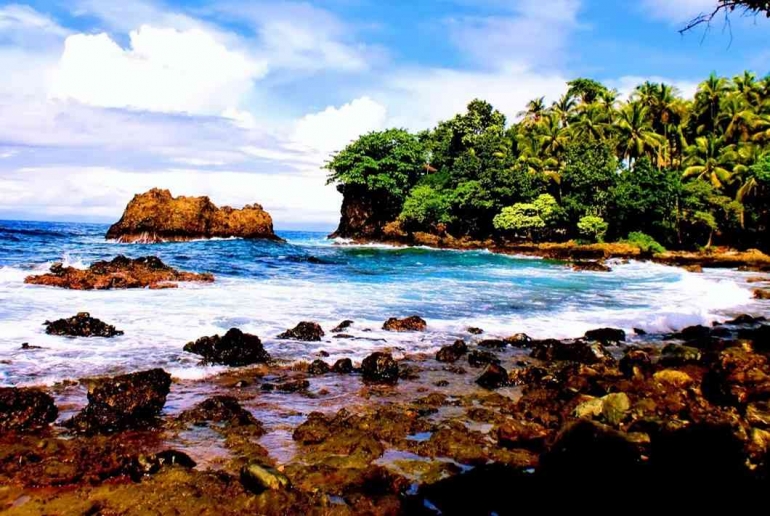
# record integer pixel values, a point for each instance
(157, 216)
(362, 216)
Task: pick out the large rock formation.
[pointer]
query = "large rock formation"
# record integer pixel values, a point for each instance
(362, 215)
(156, 216)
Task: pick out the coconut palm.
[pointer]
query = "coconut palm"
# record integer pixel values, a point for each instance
(711, 160)
(636, 137)
(534, 112)
(591, 123)
(564, 108)
(708, 101)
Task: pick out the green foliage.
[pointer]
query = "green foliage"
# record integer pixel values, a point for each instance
(528, 219)
(593, 227)
(388, 162)
(644, 242)
(425, 208)
(685, 172)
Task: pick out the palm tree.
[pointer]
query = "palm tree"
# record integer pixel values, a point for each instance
(564, 108)
(636, 137)
(591, 123)
(551, 136)
(711, 160)
(534, 112)
(708, 101)
(748, 87)
(736, 119)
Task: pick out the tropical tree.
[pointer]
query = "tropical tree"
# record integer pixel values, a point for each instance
(711, 160)
(635, 135)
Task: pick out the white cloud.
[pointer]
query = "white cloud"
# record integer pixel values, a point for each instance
(677, 11)
(529, 32)
(164, 70)
(14, 17)
(333, 128)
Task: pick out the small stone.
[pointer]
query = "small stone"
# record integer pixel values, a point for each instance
(413, 323)
(450, 354)
(474, 331)
(318, 367)
(589, 409)
(493, 377)
(761, 294)
(380, 368)
(519, 340)
(614, 407)
(674, 378)
(477, 358)
(675, 355)
(304, 331)
(343, 366)
(258, 478)
(344, 325)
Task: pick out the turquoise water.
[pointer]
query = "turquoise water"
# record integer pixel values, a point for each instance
(266, 287)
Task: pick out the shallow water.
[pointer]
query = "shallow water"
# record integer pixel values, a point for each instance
(266, 287)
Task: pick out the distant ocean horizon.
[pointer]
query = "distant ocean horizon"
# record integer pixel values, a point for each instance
(265, 287)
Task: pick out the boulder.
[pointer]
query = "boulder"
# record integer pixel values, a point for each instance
(343, 366)
(493, 377)
(380, 368)
(146, 465)
(590, 266)
(607, 336)
(478, 358)
(235, 348)
(452, 353)
(23, 410)
(474, 331)
(157, 216)
(492, 343)
(761, 293)
(344, 325)
(318, 367)
(635, 362)
(123, 402)
(675, 355)
(582, 352)
(119, 273)
(81, 325)
(522, 434)
(219, 409)
(306, 331)
(413, 323)
(519, 340)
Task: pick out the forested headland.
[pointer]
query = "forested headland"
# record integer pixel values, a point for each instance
(590, 166)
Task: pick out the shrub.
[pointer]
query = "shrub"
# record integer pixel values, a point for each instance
(644, 242)
(593, 227)
(528, 219)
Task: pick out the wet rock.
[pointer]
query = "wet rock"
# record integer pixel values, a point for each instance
(758, 414)
(413, 323)
(81, 325)
(219, 409)
(607, 336)
(305, 331)
(235, 348)
(522, 434)
(146, 465)
(590, 266)
(635, 362)
(589, 409)
(745, 319)
(737, 377)
(761, 294)
(640, 331)
(343, 366)
(295, 385)
(582, 352)
(258, 478)
(453, 353)
(695, 333)
(24, 410)
(474, 331)
(693, 268)
(123, 402)
(318, 368)
(380, 368)
(493, 377)
(674, 378)
(157, 216)
(519, 340)
(477, 358)
(344, 325)
(26, 346)
(120, 273)
(614, 407)
(492, 344)
(529, 375)
(674, 355)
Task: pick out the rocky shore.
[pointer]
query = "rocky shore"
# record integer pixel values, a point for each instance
(119, 273)
(482, 427)
(157, 216)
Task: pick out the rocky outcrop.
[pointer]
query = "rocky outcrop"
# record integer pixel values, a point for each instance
(157, 216)
(220, 409)
(362, 216)
(413, 323)
(81, 325)
(452, 353)
(127, 401)
(305, 331)
(119, 273)
(235, 348)
(23, 410)
(380, 368)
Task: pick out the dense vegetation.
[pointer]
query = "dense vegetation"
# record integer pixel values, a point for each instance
(685, 172)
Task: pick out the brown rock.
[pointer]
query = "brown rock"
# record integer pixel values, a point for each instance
(761, 294)
(305, 331)
(119, 273)
(156, 216)
(413, 323)
(25, 409)
(81, 325)
(590, 266)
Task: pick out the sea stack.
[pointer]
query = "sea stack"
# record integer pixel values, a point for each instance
(157, 216)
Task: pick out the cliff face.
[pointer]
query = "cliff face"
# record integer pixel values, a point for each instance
(361, 216)
(156, 216)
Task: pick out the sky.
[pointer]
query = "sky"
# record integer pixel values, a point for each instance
(244, 101)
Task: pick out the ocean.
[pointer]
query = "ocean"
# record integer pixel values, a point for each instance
(266, 287)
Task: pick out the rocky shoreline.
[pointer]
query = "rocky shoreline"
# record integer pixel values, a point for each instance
(580, 254)
(454, 433)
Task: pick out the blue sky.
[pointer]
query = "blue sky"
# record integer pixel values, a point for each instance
(243, 101)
